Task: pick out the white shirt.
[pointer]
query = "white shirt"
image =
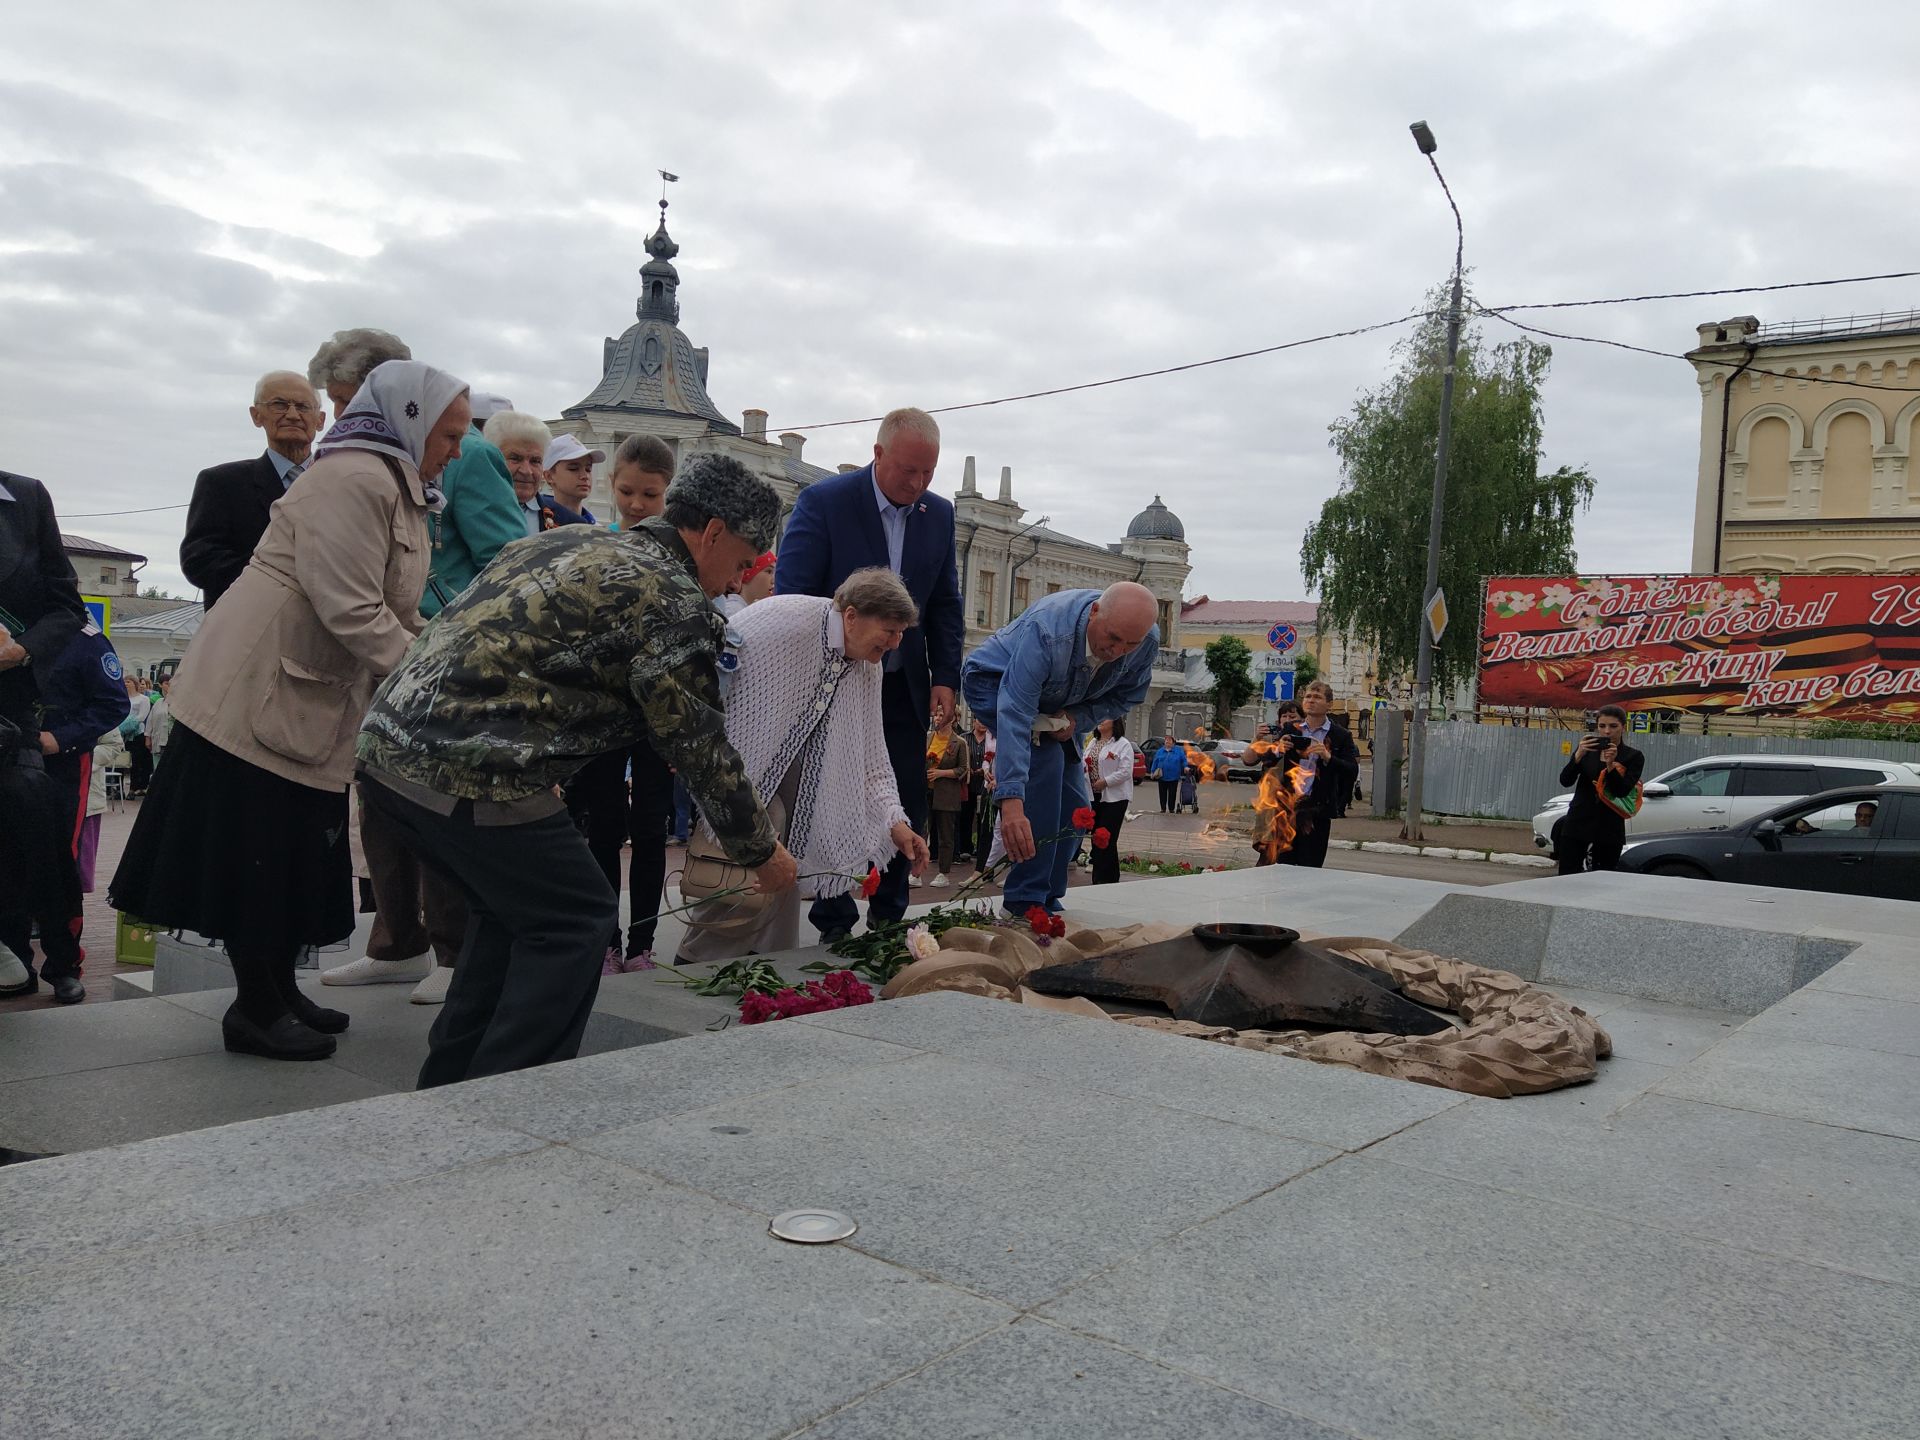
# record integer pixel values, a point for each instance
(1113, 761)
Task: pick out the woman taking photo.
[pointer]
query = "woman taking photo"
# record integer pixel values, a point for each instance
(243, 836)
(803, 710)
(1111, 764)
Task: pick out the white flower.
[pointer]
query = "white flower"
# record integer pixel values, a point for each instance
(1154, 868)
(1769, 587)
(920, 943)
(1555, 597)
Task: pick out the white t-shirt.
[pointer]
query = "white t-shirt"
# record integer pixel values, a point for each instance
(1113, 759)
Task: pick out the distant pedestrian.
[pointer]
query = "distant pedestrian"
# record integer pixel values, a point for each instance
(1169, 763)
(1327, 770)
(1604, 772)
(949, 764)
(133, 733)
(1112, 780)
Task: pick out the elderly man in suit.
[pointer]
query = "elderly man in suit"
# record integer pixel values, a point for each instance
(230, 502)
(884, 514)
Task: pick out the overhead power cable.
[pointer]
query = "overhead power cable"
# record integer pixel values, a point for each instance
(1706, 294)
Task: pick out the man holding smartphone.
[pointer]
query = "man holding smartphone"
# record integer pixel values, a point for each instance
(1604, 772)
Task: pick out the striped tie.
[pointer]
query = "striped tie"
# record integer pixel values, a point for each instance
(293, 475)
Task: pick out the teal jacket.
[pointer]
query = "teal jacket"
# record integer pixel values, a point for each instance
(481, 515)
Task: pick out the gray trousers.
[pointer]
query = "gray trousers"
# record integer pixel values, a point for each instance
(529, 967)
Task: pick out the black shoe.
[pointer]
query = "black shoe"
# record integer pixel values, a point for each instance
(67, 989)
(285, 1039)
(318, 1017)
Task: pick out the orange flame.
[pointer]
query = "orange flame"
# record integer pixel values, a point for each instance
(1200, 761)
(1275, 823)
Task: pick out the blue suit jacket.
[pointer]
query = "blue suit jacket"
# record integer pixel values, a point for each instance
(835, 530)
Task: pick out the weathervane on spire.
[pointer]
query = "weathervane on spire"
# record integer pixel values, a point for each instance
(667, 177)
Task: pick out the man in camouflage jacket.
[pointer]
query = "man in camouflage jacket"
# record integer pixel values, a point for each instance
(571, 645)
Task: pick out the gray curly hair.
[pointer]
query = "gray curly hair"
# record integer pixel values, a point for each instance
(718, 487)
(350, 356)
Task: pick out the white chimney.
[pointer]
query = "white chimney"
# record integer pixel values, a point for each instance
(793, 443)
(754, 423)
(967, 482)
(1006, 484)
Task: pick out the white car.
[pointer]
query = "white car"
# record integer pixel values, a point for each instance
(1722, 790)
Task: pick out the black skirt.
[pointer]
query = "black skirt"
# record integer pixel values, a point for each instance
(237, 853)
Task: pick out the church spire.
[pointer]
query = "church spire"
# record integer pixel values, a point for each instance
(659, 281)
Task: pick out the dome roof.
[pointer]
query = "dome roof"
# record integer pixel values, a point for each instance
(1157, 522)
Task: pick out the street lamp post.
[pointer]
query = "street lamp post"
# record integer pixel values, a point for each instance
(1423, 666)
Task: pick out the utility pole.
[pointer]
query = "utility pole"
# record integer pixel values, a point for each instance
(1429, 640)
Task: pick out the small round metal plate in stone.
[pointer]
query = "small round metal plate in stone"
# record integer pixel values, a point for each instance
(813, 1227)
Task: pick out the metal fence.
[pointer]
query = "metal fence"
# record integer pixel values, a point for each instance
(1505, 771)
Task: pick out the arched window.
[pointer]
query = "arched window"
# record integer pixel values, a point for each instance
(1846, 479)
(1768, 447)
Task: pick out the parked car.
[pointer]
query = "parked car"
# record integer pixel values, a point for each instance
(1722, 790)
(1861, 840)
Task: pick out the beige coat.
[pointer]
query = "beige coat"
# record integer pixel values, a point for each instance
(283, 669)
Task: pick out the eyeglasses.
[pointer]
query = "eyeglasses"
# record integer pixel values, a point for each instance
(298, 407)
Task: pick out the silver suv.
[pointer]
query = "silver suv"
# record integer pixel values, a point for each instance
(1721, 790)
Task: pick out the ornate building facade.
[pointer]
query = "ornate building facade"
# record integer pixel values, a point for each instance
(654, 382)
(1807, 440)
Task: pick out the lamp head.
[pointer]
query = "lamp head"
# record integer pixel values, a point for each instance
(1423, 137)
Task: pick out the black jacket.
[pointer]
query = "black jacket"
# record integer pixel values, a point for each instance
(1333, 779)
(226, 520)
(1579, 772)
(83, 692)
(38, 591)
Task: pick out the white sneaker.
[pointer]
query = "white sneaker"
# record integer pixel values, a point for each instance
(14, 974)
(369, 971)
(938, 882)
(915, 881)
(433, 989)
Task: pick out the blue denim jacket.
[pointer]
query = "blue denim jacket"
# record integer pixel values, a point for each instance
(1038, 665)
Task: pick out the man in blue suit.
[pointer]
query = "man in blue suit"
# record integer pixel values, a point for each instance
(883, 514)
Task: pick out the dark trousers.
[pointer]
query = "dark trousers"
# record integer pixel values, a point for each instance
(539, 912)
(1589, 842)
(1169, 796)
(965, 822)
(597, 800)
(1109, 815)
(647, 864)
(682, 811)
(415, 908)
(139, 765)
(946, 826)
(39, 882)
(1310, 842)
(907, 749)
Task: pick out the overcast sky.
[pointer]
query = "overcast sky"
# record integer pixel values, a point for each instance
(880, 206)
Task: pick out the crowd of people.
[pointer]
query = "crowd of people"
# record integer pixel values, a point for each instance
(426, 661)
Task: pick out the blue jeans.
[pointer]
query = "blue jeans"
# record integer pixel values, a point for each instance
(1056, 787)
(682, 811)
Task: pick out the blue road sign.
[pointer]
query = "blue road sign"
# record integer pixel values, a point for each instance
(1282, 637)
(1279, 685)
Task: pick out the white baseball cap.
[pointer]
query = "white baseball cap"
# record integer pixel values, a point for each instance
(568, 447)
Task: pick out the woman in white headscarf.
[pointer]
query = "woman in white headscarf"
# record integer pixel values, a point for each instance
(242, 836)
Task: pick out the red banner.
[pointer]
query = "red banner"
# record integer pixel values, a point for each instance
(1833, 647)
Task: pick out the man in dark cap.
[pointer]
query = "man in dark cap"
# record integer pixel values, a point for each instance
(571, 645)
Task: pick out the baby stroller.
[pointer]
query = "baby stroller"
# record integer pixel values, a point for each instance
(1189, 791)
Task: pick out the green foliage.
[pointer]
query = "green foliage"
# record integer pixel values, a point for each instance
(1865, 730)
(1306, 670)
(154, 592)
(1366, 553)
(880, 951)
(1230, 663)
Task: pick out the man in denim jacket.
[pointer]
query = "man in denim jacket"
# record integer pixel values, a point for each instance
(1065, 664)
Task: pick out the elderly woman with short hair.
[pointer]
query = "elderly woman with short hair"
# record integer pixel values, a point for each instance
(522, 440)
(341, 365)
(803, 710)
(243, 835)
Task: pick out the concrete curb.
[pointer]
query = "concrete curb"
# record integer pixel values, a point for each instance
(1445, 852)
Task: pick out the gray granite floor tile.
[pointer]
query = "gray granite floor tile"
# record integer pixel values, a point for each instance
(1884, 971)
(1595, 1002)
(1034, 1379)
(572, 1297)
(35, 1043)
(1788, 1187)
(85, 1204)
(1298, 1098)
(1863, 1089)
(1007, 1184)
(59, 1114)
(1666, 1034)
(607, 1092)
(1423, 1308)
(944, 1021)
(1829, 1017)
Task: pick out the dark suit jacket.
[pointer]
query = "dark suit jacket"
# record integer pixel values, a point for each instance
(835, 530)
(1333, 779)
(225, 521)
(38, 589)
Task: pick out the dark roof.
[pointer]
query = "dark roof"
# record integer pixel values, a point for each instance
(1156, 522)
(81, 545)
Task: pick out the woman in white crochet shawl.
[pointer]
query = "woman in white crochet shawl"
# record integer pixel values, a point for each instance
(803, 710)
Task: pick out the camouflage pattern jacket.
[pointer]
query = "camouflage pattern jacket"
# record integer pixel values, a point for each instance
(570, 645)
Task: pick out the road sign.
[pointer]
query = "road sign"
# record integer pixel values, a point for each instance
(1378, 703)
(1640, 722)
(101, 608)
(1437, 614)
(1282, 637)
(1279, 685)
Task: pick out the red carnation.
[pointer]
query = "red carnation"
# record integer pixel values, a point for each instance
(1039, 920)
(1102, 838)
(757, 1007)
(1083, 818)
(1057, 925)
(870, 884)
